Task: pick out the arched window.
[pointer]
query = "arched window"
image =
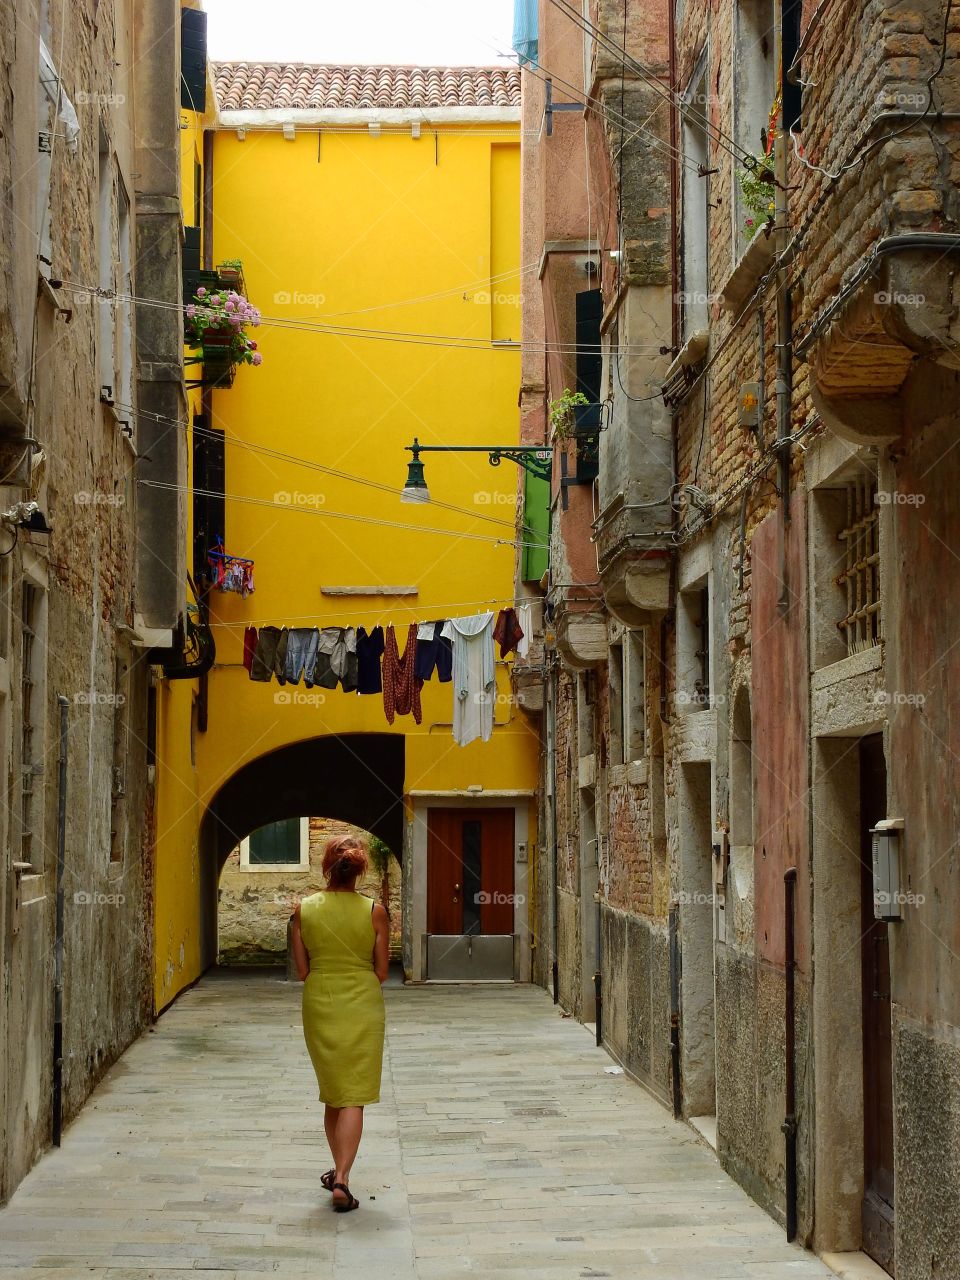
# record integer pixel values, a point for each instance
(741, 770)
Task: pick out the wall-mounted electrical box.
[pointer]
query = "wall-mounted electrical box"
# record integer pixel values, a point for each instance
(887, 896)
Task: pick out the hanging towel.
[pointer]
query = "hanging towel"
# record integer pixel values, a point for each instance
(434, 652)
(474, 678)
(249, 645)
(525, 619)
(369, 653)
(508, 633)
(401, 688)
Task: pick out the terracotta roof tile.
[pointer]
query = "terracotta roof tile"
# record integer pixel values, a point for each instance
(264, 86)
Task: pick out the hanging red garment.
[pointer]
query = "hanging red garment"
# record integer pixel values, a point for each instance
(249, 644)
(508, 633)
(401, 688)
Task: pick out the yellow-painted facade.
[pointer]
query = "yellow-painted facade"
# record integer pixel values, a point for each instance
(339, 230)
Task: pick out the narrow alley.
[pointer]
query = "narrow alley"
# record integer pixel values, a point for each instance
(503, 1146)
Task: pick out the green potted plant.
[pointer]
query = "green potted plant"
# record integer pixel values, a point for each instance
(230, 272)
(216, 322)
(562, 417)
(758, 194)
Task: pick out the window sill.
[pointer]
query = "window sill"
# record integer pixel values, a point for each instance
(287, 868)
(856, 664)
(637, 773)
(743, 279)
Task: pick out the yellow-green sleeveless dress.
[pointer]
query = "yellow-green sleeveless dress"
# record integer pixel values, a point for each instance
(342, 1001)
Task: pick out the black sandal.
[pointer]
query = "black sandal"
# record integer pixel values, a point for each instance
(351, 1203)
(326, 1179)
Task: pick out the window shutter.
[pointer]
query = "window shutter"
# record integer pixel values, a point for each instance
(193, 60)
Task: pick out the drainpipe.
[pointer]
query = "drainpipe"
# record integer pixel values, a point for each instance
(598, 972)
(674, 184)
(206, 398)
(552, 766)
(674, 950)
(789, 1126)
(64, 705)
(784, 378)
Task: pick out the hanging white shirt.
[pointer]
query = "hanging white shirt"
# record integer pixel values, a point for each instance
(525, 618)
(474, 678)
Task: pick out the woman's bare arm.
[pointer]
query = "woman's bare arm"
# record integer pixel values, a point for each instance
(301, 957)
(381, 943)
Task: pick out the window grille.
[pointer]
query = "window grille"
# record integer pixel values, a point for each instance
(860, 577)
(27, 727)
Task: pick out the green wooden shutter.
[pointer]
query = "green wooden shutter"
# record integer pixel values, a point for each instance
(276, 843)
(536, 527)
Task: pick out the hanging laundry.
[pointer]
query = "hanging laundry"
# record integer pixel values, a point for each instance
(230, 573)
(301, 655)
(434, 651)
(525, 619)
(508, 633)
(401, 688)
(249, 646)
(369, 653)
(474, 678)
(337, 659)
(269, 657)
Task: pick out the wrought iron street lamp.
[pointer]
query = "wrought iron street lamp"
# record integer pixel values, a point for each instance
(533, 458)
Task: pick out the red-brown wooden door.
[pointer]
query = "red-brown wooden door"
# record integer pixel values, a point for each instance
(470, 871)
(877, 1215)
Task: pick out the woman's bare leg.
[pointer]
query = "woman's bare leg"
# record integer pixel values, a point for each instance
(346, 1142)
(330, 1115)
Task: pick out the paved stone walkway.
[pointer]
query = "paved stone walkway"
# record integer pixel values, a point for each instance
(501, 1148)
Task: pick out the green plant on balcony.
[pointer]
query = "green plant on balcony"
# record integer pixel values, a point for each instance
(757, 191)
(562, 418)
(216, 322)
(230, 273)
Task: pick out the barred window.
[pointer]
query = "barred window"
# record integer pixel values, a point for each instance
(860, 577)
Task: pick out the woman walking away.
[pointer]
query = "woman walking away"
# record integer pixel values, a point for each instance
(341, 945)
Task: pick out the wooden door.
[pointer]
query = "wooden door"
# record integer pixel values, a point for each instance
(878, 1185)
(470, 871)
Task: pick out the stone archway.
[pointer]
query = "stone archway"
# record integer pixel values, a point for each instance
(354, 777)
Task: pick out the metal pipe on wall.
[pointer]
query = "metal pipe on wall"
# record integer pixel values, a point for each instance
(673, 934)
(789, 1126)
(64, 707)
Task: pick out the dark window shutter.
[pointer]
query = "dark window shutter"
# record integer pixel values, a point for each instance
(589, 314)
(209, 506)
(191, 262)
(193, 60)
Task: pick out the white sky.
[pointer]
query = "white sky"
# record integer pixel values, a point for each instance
(429, 32)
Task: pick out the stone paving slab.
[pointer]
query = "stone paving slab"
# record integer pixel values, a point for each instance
(500, 1148)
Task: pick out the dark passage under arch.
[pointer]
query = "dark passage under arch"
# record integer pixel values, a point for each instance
(357, 778)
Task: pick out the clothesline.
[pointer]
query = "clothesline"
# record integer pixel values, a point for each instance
(383, 618)
(457, 650)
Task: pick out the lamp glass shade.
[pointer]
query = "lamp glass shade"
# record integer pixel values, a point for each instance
(415, 490)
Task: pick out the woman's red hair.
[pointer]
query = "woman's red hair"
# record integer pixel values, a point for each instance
(344, 859)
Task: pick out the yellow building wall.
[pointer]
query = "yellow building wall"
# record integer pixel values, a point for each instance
(386, 233)
(177, 811)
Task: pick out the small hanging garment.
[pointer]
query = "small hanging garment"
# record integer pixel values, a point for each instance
(369, 653)
(249, 645)
(507, 632)
(474, 678)
(525, 619)
(401, 688)
(269, 657)
(434, 652)
(301, 655)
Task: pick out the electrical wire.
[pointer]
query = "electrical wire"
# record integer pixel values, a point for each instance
(310, 464)
(243, 499)
(427, 612)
